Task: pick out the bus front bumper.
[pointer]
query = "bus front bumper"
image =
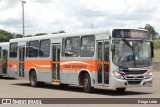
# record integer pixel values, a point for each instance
(121, 83)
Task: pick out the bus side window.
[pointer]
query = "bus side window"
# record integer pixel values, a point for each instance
(33, 48)
(4, 60)
(88, 46)
(27, 45)
(63, 46)
(43, 51)
(0, 52)
(13, 50)
(72, 47)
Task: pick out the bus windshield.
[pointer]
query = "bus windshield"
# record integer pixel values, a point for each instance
(132, 53)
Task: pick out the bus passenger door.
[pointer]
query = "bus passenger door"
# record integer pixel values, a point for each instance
(4, 61)
(21, 53)
(56, 62)
(103, 62)
(0, 60)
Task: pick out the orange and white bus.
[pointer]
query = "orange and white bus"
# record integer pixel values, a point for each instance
(106, 58)
(4, 47)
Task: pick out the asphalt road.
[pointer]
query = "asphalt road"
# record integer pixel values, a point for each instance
(12, 88)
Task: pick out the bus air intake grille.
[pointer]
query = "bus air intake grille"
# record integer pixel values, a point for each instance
(134, 82)
(135, 72)
(133, 77)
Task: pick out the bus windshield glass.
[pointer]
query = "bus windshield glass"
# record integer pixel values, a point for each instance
(132, 53)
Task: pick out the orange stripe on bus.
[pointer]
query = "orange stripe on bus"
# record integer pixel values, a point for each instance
(91, 65)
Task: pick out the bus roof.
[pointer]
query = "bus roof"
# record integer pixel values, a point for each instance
(4, 43)
(61, 35)
(70, 34)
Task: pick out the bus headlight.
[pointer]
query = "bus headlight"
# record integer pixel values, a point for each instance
(117, 75)
(147, 74)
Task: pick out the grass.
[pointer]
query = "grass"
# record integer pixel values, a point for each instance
(156, 70)
(157, 48)
(157, 44)
(156, 55)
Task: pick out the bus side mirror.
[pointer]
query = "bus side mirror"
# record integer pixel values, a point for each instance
(112, 47)
(152, 49)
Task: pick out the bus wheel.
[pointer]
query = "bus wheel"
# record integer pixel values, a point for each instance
(64, 85)
(87, 84)
(33, 79)
(41, 84)
(120, 90)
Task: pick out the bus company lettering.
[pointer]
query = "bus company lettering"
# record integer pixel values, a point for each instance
(75, 66)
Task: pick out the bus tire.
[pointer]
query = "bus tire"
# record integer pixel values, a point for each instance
(87, 84)
(33, 79)
(120, 90)
(64, 85)
(41, 84)
(1, 76)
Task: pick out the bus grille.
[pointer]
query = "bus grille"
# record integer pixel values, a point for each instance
(134, 82)
(135, 72)
(133, 77)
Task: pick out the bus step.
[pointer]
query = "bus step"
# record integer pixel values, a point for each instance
(102, 86)
(56, 83)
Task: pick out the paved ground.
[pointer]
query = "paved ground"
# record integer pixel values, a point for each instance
(12, 88)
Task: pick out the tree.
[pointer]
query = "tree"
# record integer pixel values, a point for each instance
(60, 31)
(40, 34)
(151, 31)
(5, 36)
(28, 36)
(19, 36)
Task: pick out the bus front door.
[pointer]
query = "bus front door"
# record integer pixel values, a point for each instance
(56, 62)
(103, 62)
(21, 51)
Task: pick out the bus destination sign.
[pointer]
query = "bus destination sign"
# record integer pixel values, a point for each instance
(129, 33)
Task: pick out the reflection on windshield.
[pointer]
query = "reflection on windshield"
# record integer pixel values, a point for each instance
(132, 54)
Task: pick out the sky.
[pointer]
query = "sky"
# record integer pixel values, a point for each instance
(48, 16)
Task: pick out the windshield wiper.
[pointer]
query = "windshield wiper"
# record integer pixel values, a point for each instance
(127, 43)
(132, 47)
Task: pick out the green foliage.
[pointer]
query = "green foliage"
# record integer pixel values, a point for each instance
(157, 44)
(55, 33)
(60, 31)
(151, 31)
(156, 53)
(19, 36)
(28, 36)
(40, 34)
(157, 48)
(5, 36)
